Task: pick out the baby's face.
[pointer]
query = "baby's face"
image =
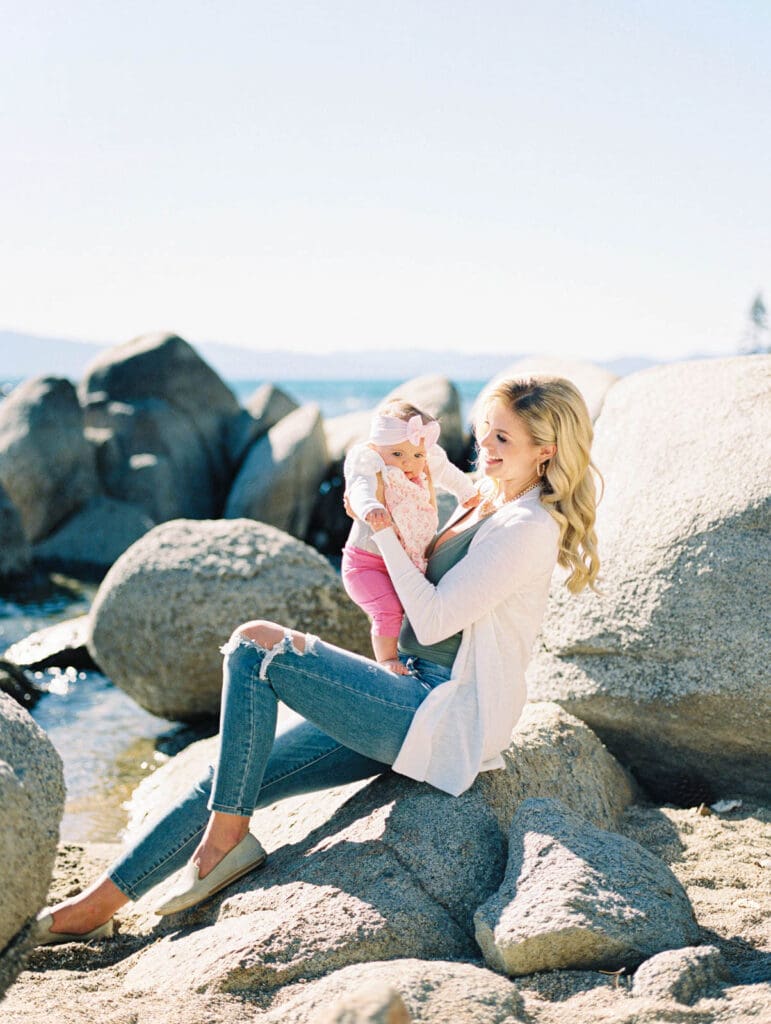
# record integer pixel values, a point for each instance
(405, 455)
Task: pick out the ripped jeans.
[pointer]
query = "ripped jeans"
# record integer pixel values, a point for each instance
(356, 717)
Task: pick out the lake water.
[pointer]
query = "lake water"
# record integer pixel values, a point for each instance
(107, 742)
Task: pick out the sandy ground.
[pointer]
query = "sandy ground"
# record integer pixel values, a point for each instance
(724, 862)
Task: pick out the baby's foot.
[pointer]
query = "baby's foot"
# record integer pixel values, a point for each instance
(394, 665)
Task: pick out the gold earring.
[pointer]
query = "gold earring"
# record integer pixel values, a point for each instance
(542, 467)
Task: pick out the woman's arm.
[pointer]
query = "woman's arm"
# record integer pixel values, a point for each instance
(497, 564)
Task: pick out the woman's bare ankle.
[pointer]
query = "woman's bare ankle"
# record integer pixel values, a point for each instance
(89, 909)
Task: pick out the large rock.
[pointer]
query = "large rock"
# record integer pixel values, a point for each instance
(575, 897)
(170, 601)
(163, 366)
(685, 975)
(670, 665)
(15, 550)
(155, 376)
(279, 480)
(150, 454)
(343, 432)
(592, 381)
(31, 806)
(262, 410)
(378, 870)
(94, 537)
(46, 464)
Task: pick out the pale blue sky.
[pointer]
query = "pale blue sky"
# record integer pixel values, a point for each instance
(584, 176)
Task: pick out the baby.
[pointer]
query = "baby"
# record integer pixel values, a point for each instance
(391, 478)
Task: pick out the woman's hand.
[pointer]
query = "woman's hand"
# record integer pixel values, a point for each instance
(473, 501)
(397, 667)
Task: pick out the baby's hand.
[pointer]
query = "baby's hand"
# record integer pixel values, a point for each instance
(394, 665)
(378, 519)
(473, 501)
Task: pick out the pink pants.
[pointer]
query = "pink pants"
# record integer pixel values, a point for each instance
(368, 585)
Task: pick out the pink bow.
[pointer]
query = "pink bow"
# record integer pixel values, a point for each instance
(417, 430)
(387, 430)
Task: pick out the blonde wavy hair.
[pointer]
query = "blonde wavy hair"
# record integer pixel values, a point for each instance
(554, 412)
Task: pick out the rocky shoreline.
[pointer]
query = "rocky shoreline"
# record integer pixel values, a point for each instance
(590, 877)
(722, 861)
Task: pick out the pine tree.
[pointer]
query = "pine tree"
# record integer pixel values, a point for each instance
(756, 337)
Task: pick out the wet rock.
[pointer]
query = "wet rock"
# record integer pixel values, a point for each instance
(170, 601)
(31, 806)
(16, 683)
(280, 476)
(669, 666)
(577, 897)
(46, 464)
(685, 975)
(15, 552)
(93, 537)
(61, 645)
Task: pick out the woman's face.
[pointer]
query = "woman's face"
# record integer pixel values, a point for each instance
(507, 453)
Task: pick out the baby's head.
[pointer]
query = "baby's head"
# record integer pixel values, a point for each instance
(402, 435)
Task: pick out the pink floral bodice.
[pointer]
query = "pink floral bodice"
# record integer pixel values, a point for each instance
(410, 506)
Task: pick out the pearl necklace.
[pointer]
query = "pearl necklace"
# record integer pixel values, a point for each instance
(488, 506)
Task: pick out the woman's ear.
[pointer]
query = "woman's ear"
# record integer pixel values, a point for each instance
(548, 451)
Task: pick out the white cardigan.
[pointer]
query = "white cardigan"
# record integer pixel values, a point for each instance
(497, 595)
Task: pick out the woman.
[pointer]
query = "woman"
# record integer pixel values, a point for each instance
(469, 627)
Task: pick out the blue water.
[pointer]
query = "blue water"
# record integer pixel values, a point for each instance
(334, 397)
(337, 397)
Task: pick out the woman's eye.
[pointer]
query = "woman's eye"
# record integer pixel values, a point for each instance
(501, 439)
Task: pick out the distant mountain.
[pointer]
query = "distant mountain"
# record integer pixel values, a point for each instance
(26, 355)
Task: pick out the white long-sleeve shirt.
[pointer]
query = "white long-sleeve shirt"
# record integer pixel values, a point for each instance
(360, 469)
(496, 594)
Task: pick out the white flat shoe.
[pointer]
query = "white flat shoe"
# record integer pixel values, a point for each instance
(45, 937)
(191, 889)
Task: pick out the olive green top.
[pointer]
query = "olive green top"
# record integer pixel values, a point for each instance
(439, 562)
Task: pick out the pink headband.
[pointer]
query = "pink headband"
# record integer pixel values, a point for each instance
(391, 430)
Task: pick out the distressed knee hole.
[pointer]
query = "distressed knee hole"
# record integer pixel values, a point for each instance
(282, 646)
(286, 643)
(237, 640)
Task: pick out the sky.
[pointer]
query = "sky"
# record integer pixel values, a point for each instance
(576, 177)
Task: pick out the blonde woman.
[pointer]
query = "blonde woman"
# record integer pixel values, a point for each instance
(470, 624)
